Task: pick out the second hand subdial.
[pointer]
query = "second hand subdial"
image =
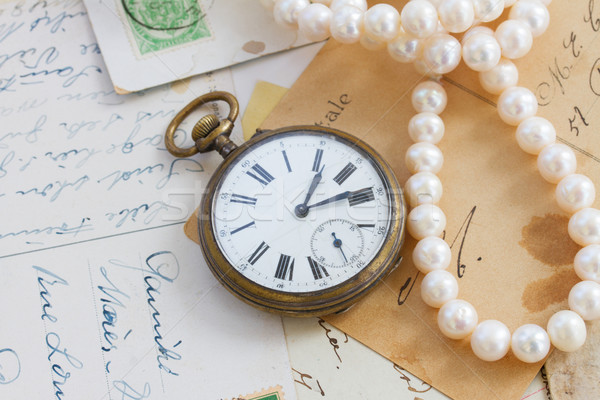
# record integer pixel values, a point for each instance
(346, 248)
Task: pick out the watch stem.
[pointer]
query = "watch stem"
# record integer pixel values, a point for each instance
(205, 126)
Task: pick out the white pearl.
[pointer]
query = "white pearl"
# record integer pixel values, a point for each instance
(530, 343)
(314, 22)
(481, 52)
(516, 104)
(500, 77)
(429, 96)
(515, 38)
(286, 12)
(533, 13)
(426, 220)
(476, 30)
(360, 4)
(404, 48)
(457, 319)
(441, 53)
(535, 133)
(382, 22)
(584, 227)
(424, 157)
(587, 263)
(426, 127)
(490, 340)
(419, 18)
(566, 330)
(456, 15)
(556, 161)
(575, 192)
(438, 287)
(371, 43)
(431, 253)
(268, 4)
(584, 299)
(487, 10)
(347, 24)
(423, 188)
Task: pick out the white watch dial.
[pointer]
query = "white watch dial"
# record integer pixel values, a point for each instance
(301, 212)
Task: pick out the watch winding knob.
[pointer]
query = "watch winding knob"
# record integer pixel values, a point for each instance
(205, 126)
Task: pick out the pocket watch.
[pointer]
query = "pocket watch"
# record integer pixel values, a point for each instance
(302, 220)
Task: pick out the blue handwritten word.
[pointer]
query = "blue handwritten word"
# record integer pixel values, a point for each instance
(63, 229)
(64, 72)
(55, 22)
(99, 96)
(45, 294)
(163, 181)
(27, 105)
(7, 83)
(150, 211)
(148, 116)
(59, 375)
(122, 176)
(91, 48)
(30, 136)
(10, 366)
(128, 145)
(163, 262)
(129, 393)
(53, 344)
(57, 187)
(65, 155)
(19, 54)
(74, 128)
(112, 298)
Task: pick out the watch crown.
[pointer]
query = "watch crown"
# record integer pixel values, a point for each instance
(205, 126)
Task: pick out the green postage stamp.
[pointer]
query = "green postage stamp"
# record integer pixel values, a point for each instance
(161, 24)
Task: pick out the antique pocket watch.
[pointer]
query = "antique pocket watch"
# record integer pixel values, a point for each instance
(302, 220)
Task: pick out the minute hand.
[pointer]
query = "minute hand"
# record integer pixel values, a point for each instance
(337, 197)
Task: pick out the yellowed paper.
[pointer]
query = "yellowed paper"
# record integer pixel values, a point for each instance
(263, 100)
(508, 236)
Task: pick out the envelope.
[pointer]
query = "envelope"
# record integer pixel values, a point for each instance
(511, 250)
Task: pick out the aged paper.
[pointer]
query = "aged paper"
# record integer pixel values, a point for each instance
(102, 296)
(509, 239)
(147, 43)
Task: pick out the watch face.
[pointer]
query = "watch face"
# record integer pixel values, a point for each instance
(301, 212)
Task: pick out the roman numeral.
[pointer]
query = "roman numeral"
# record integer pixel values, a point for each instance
(238, 198)
(361, 196)
(262, 247)
(285, 267)
(345, 173)
(262, 176)
(242, 228)
(316, 269)
(370, 226)
(317, 163)
(287, 162)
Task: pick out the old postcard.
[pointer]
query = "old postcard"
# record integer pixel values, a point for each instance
(147, 43)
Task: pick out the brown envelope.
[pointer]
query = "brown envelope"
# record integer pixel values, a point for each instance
(509, 238)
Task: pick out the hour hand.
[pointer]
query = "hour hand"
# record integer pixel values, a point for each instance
(301, 210)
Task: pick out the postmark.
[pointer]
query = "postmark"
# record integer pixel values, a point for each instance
(162, 24)
(272, 393)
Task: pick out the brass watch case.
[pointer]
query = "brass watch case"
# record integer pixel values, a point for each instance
(317, 303)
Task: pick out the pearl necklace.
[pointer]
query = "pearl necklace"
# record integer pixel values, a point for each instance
(419, 34)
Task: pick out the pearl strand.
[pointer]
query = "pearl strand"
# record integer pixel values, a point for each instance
(419, 34)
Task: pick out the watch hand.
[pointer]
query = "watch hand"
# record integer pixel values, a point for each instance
(338, 243)
(301, 210)
(337, 197)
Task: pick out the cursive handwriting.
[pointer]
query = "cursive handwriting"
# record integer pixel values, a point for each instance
(332, 341)
(303, 382)
(63, 229)
(149, 211)
(111, 298)
(127, 392)
(405, 378)
(157, 262)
